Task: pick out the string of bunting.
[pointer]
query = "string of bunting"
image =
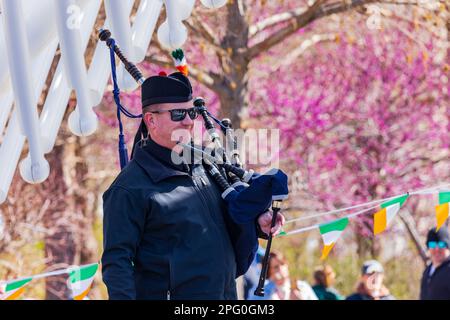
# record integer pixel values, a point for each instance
(81, 277)
(331, 231)
(79, 282)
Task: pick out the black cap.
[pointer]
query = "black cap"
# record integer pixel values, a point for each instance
(174, 88)
(440, 235)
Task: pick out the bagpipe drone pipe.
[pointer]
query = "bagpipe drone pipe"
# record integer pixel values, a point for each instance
(247, 194)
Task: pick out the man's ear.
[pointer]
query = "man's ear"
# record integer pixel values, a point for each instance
(148, 120)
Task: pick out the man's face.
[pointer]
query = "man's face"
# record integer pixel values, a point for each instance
(373, 282)
(439, 252)
(330, 278)
(280, 271)
(164, 130)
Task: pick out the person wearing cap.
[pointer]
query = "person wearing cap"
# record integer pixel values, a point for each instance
(435, 283)
(370, 285)
(165, 228)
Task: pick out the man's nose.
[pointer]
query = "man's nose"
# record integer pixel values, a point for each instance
(187, 121)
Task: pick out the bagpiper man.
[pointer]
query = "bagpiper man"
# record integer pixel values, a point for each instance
(166, 231)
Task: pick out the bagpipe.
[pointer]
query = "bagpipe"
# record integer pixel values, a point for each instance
(247, 194)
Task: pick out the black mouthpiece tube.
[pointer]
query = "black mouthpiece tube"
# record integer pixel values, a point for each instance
(227, 129)
(105, 35)
(199, 104)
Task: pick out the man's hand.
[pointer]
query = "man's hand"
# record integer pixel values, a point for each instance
(265, 220)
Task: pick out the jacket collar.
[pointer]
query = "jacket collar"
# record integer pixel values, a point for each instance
(156, 162)
(443, 264)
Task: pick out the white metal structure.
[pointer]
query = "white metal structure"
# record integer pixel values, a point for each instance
(30, 32)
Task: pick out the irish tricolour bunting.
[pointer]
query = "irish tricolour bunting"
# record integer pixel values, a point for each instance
(80, 280)
(384, 217)
(443, 209)
(330, 234)
(14, 289)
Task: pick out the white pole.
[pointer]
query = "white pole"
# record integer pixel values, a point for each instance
(41, 27)
(34, 169)
(52, 113)
(14, 139)
(82, 121)
(144, 26)
(6, 100)
(172, 34)
(39, 32)
(119, 23)
(100, 68)
(121, 31)
(184, 8)
(213, 4)
(59, 92)
(10, 151)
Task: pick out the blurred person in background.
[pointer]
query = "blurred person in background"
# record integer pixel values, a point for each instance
(324, 278)
(251, 277)
(436, 277)
(305, 291)
(370, 286)
(278, 285)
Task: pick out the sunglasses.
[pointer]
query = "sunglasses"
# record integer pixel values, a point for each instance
(179, 114)
(437, 244)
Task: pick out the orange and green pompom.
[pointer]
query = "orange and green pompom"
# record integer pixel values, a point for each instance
(180, 61)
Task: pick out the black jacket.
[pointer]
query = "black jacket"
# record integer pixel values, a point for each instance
(436, 287)
(166, 232)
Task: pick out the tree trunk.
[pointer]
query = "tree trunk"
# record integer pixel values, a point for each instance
(71, 215)
(410, 225)
(367, 246)
(234, 99)
(60, 241)
(82, 200)
(84, 204)
(81, 203)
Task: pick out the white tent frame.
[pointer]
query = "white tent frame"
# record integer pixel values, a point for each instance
(29, 37)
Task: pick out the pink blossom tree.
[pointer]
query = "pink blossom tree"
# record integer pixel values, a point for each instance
(226, 47)
(363, 118)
